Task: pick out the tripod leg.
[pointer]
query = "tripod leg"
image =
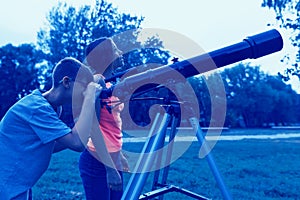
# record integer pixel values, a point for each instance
(157, 172)
(156, 183)
(195, 124)
(169, 150)
(146, 160)
(168, 156)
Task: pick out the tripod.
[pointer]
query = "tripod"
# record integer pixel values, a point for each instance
(157, 136)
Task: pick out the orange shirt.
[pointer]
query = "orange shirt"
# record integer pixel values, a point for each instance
(110, 125)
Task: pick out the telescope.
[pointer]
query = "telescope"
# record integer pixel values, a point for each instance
(252, 47)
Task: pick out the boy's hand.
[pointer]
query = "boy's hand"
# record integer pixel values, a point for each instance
(93, 90)
(98, 78)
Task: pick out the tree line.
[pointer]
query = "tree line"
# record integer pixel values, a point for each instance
(288, 17)
(254, 99)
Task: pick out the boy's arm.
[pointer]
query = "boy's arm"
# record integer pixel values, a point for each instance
(113, 176)
(77, 139)
(58, 147)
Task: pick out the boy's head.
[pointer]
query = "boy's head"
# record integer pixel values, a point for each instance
(71, 69)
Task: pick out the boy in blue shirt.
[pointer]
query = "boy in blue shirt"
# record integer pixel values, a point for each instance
(31, 128)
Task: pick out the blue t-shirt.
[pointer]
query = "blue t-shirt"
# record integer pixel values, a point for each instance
(27, 135)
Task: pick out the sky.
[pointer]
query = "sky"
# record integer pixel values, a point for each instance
(211, 24)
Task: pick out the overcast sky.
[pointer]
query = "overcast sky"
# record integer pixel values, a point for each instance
(211, 24)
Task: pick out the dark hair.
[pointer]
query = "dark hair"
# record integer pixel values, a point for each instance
(72, 68)
(99, 54)
(91, 46)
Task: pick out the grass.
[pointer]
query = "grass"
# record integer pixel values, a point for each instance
(251, 169)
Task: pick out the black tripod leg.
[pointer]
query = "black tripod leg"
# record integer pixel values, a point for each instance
(169, 152)
(195, 124)
(168, 156)
(147, 158)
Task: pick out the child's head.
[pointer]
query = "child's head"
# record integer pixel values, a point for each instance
(73, 70)
(104, 56)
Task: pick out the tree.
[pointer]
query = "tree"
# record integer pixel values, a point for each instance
(256, 99)
(287, 12)
(211, 98)
(18, 74)
(199, 85)
(285, 101)
(69, 30)
(239, 83)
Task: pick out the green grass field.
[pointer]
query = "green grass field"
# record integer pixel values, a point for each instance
(251, 169)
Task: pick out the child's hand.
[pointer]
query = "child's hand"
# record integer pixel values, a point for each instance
(93, 90)
(114, 179)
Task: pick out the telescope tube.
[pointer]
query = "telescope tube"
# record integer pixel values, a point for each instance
(252, 47)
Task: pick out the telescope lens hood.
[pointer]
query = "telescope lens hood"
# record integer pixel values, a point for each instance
(265, 43)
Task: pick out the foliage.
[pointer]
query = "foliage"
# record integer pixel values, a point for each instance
(287, 12)
(256, 99)
(253, 98)
(211, 98)
(18, 73)
(67, 33)
(69, 30)
(198, 84)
